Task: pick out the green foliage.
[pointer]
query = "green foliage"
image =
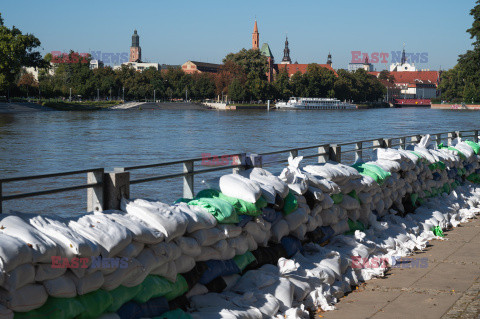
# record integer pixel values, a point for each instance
(16, 50)
(253, 63)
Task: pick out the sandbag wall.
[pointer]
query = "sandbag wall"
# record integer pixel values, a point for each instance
(152, 258)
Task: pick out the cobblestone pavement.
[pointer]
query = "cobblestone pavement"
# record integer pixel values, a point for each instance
(444, 284)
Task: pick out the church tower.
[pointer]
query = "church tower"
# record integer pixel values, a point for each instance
(255, 37)
(286, 54)
(135, 50)
(329, 59)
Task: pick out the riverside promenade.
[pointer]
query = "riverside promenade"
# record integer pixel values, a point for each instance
(449, 287)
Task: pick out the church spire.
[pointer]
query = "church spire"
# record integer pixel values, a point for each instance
(286, 53)
(255, 37)
(329, 59)
(404, 58)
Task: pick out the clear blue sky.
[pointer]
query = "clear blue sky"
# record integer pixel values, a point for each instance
(175, 31)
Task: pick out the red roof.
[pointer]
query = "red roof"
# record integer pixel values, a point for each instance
(302, 68)
(407, 77)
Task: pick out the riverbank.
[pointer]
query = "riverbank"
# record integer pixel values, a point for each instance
(456, 106)
(80, 106)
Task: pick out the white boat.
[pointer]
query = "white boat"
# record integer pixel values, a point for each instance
(309, 103)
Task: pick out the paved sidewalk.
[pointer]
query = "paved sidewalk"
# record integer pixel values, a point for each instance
(449, 287)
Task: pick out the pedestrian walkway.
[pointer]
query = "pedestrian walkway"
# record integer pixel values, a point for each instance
(441, 282)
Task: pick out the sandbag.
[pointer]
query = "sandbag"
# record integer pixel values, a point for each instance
(199, 218)
(132, 250)
(169, 220)
(19, 277)
(95, 303)
(122, 294)
(56, 308)
(27, 298)
(153, 287)
(88, 283)
(46, 272)
(184, 264)
(61, 287)
(43, 248)
(222, 211)
(235, 185)
(207, 237)
(189, 246)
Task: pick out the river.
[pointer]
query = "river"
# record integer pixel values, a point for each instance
(47, 142)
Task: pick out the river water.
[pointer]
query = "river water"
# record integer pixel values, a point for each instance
(48, 142)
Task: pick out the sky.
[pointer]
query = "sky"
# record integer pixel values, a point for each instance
(175, 31)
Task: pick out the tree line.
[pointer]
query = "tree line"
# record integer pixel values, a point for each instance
(241, 77)
(462, 82)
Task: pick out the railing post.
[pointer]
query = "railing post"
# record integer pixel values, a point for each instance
(402, 141)
(242, 159)
(188, 179)
(416, 138)
(451, 137)
(1, 198)
(116, 185)
(323, 153)
(335, 153)
(438, 138)
(458, 134)
(95, 193)
(358, 150)
(378, 143)
(475, 136)
(387, 143)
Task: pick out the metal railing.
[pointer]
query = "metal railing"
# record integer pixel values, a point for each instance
(106, 189)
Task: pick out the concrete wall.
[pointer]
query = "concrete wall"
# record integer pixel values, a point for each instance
(456, 107)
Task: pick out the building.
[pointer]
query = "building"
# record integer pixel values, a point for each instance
(366, 65)
(286, 54)
(415, 84)
(95, 64)
(191, 67)
(255, 37)
(135, 50)
(403, 66)
(140, 66)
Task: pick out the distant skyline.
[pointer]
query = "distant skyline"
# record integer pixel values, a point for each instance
(173, 32)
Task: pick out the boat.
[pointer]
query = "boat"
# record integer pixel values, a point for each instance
(309, 103)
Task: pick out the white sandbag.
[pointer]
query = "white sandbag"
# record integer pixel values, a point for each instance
(220, 245)
(329, 216)
(150, 260)
(230, 230)
(296, 218)
(198, 218)
(170, 220)
(327, 202)
(349, 203)
(239, 244)
(268, 193)
(71, 243)
(333, 171)
(120, 276)
(184, 264)
(132, 250)
(299, 232)
(340, 227)
(188, 246)
(13, 252)
(316, 192)
(43, 247)
(311, 223)
(27, 298)
(295, 179)
(264, 177)
(252, 244)
(207, 237)
(253, 228)
(87, 283)
(168, 270)
(108, 234)
(19, 277)
(141, 231)
(46, 272)
(207, 254)
(280, 229)
(235, 185)
(323, 184)
(170, 250)
(5, 313)
(61, 287)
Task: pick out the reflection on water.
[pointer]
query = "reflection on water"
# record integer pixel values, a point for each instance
(43, 142)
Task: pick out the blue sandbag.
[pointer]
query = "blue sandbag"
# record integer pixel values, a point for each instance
(152, 308)
(436, 176)
(292, 245)
(244, 219)
(218, 268)
(328, 233)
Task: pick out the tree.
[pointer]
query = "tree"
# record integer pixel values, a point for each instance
(237, 91)
(386, 76)
(17, 50)
(253, 62)
(27, 81)
(203, 86)
(319, 80)
(283, 85)
(228, 72)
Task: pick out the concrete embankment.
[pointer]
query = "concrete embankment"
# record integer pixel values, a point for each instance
(22, 107)
(456, 106)
(159, 106)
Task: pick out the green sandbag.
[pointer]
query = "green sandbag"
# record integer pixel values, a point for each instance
(54, 308)
(152, 287)
(474, 178)
(354, 195)
(417, 154)
(413, 198)
(178, 288)
(421, 201)
(121, 295)
(353, 226)
(241, 206)
(175, 314)
(437, 165)
(377, 173)
(290, 204)
(337, 198)
(446, 188)
(95, 303)
(182, 200)
(437, 231)
(475, 146)
(223, 211)
(244, 260)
